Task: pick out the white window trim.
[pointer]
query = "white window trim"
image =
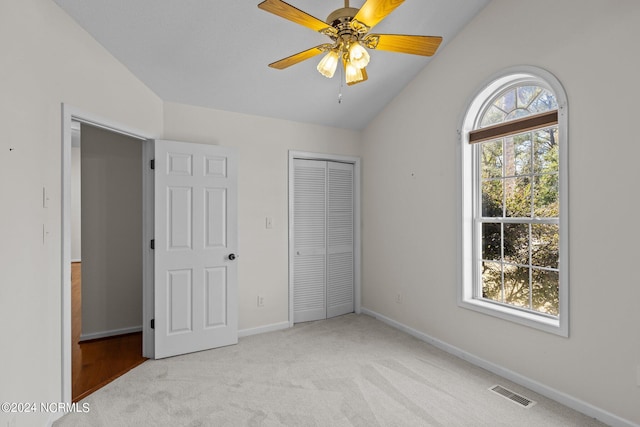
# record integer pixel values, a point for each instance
(495, 84)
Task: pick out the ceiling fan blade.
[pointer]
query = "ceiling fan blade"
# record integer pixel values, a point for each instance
(365, 77)
(286, 11)
(374, 11)
(299, 57)
(415, 45)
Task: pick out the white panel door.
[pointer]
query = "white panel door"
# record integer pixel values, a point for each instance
(195, 231)
(340, 210)
(309, 240)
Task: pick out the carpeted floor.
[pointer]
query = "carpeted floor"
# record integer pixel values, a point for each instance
(347, 371)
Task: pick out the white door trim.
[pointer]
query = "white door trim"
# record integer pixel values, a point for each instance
(70, 113)
(357, 249)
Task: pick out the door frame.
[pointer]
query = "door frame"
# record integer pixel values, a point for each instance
(69, 114)
(357, 246)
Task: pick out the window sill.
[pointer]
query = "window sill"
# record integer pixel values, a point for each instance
(532, 320)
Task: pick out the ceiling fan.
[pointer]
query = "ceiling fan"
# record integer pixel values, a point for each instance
(348, 29)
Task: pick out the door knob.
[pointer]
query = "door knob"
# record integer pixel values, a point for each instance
(232, 257)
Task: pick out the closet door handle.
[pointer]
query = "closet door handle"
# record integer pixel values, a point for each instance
(232, 257)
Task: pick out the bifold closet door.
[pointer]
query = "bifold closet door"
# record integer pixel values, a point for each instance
(323, 239)
(309, 238)
(339, 239)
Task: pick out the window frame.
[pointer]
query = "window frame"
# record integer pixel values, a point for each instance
(469, 177)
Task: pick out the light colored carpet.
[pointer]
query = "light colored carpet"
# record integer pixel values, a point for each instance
(347, 371)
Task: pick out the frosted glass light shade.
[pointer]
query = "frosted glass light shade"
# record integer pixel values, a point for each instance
(352, 73)
(358, 55)
(328, 64)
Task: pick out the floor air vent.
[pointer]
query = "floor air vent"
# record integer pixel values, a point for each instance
(513, 396)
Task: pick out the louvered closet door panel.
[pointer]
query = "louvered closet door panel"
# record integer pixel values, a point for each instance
(340, 239)
(309, 239)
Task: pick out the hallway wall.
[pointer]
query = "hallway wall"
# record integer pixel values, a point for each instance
(111, 233)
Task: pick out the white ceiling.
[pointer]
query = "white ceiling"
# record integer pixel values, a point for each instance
(214, 53)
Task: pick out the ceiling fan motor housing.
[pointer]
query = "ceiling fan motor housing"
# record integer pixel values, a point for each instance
(341, 16)
(347, 29)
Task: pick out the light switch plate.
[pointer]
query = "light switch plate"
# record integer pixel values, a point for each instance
(45, 198)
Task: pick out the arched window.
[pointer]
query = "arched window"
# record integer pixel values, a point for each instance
(514, 204)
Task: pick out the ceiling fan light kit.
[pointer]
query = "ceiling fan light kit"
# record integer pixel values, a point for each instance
(348, 29)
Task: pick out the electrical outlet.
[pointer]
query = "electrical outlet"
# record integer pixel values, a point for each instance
(268, 222)
(399, 298)
(260, 301)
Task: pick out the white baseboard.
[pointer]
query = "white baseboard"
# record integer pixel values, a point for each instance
(560, 397)
(263, 329)
(110, 333)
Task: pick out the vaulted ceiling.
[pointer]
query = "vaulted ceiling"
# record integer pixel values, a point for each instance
(214, 53)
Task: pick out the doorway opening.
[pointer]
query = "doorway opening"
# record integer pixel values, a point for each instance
(95, 337)
(106, 255)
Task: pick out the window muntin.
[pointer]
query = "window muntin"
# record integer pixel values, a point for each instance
(521, 172)
(517, 102)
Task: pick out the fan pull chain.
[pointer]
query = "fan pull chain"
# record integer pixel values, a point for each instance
(340, 86)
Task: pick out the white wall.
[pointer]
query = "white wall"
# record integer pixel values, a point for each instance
(409, 164)
(410, 196)
(263, 145)
(76, 204)
(111, 233)
(46, 59)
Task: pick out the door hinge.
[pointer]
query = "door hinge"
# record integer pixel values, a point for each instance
(153, 243)
(153, 323)
(152, 163)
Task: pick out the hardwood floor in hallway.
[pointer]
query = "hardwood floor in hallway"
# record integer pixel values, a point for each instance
(97, 362)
